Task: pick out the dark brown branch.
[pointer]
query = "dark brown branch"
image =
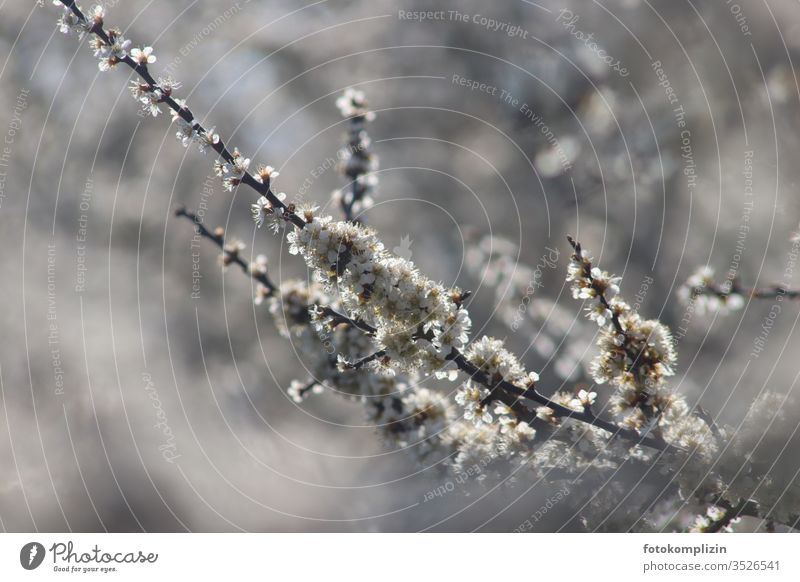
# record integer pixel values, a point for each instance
(559, 410)
(218, 238)
(262, 189)
(339, 318)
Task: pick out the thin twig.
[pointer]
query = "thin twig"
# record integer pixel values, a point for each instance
(576, 246)
(354, 171)
(219, 240)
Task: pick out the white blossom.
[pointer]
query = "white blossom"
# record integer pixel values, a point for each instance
(584, 399)
(143, 56)
(233, 170)
(353, 103)
(113, 52)
(265, 174)
(472, 399)
(259, 210)
(207, 139)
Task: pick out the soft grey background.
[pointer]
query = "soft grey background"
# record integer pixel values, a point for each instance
(266, 73)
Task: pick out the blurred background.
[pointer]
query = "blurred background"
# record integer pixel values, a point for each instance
(137, 395)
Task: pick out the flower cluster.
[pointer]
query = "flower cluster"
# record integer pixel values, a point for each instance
(263, 210)
(112, 48)
(418, 322)
(636, 355)
(474, 399)
(486, 449)
(492, 358)
(111, 52)
(589, 282)
(497, 432)
(574, 447)
(636, 362)
(232, 171)
(151, 96)
(417, 419)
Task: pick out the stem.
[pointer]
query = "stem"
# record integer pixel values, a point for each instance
(366, 360)
(358, 150)
(307, 388)
(219, 240)
(339, 318)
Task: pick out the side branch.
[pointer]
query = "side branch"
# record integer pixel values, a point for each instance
(95, 26)
(586, 415)
(230, 255)
(559, 410)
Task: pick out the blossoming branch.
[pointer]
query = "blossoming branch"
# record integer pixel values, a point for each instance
(373, 326)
